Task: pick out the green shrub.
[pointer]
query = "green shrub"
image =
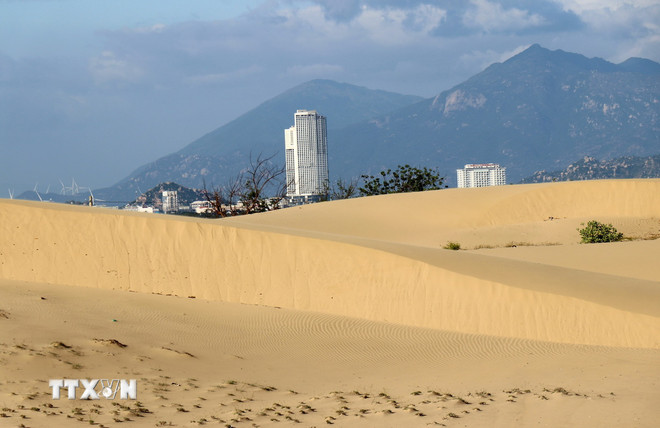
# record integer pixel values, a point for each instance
(404, 179)
(596, 232)
(452, 246)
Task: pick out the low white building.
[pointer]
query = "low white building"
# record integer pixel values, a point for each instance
(137, 208)
(481, 175)
(201, 207)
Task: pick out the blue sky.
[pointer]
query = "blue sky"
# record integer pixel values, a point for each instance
(92, 89)
(58, 27)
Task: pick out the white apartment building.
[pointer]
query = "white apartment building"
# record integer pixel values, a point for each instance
(481, 175)
(306, 152)
(170, 201)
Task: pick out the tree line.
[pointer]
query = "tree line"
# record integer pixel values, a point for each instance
(262, 186)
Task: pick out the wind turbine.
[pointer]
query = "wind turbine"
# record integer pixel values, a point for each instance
(11, 194)
(63, 191)
(37, 191)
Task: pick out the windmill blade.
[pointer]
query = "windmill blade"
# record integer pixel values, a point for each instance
(36, 190)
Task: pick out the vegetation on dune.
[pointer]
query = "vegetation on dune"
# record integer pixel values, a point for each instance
(342, 189)
(258, 188)
(261, 186)
(596, 232)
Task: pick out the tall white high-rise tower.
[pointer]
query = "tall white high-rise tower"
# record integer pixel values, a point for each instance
(306, 152)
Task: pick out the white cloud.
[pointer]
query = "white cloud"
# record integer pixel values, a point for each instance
(156, 28)
(581, 6)
(385, 26)
(629, 18)
(213, 78)
(427, 17)
(631, 28)
(107, 67)
(492, 17)
(311, 24)
(396, 27)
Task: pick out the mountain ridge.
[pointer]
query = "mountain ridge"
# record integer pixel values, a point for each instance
(540, 109)
(528, 113)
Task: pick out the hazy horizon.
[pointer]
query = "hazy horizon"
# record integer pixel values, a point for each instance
(92, 90)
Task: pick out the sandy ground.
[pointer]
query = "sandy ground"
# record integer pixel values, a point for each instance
(348, 313)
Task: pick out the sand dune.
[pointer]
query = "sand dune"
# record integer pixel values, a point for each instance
(369, 303)
(202, 362)
(278, 259)
(482, 215)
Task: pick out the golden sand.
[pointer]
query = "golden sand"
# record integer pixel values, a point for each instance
(351, 308)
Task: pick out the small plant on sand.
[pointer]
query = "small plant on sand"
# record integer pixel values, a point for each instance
(596, 232)
(452, 246)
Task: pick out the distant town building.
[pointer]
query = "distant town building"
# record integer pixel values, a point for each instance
(201, 207)
(137, 208)
(170, 201)
(306, 152)
(481, 175)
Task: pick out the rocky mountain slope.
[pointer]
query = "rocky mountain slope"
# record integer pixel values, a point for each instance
(590, 168)
(539, 110)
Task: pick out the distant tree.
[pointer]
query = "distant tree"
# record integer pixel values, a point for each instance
(344, 189)
(596, 232)
(261, 178)
(215, 200)
(404, 179)
(232, 191)
(341, 189)
(258, 188)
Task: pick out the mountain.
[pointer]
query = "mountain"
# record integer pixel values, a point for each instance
(540, 109)
(221, 154)
(590, 168)
(640, 65)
